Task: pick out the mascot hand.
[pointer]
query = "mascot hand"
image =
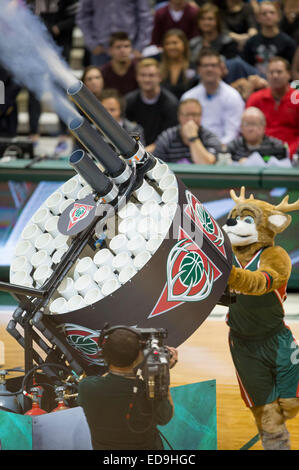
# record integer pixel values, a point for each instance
(273, 273)
(249, 282)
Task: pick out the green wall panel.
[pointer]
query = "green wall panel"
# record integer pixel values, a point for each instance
(15, 431)
(194, 424)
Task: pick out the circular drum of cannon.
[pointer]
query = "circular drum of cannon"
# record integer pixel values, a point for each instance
(122, 242)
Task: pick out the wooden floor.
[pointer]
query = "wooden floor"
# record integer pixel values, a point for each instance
(204, 356)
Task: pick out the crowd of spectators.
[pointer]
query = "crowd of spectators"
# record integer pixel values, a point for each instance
(192, 78)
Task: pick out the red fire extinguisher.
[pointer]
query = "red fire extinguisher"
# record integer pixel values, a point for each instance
(36, 409)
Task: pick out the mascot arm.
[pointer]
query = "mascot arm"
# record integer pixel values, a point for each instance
(273, 272)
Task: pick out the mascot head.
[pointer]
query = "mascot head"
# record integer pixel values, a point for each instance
(255, 223)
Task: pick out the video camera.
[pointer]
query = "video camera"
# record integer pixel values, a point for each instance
(154, 369)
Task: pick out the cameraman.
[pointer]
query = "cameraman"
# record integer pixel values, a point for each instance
(118, 412)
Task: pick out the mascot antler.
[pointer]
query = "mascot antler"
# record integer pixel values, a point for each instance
(241, 198)
(284, 205)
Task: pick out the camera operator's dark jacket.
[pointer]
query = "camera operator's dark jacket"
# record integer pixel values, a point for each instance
(106, 404)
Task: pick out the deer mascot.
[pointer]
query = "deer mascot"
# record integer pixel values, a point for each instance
(263, 349)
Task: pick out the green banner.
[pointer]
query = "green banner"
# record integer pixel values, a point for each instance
(15, 431)
(194, 424)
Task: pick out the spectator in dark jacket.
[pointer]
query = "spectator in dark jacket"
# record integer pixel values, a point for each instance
(188, 142)
(253, 139)
(8, 105)
(270, 41)
(115, 104)
(239, 19)
(290, 19)
(212, 34)
(151, 106)
(177, 76)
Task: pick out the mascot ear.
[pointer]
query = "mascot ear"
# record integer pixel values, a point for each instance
(278, 221)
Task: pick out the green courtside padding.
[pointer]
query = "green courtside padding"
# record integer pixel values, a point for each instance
(273, 177)
(194, 424)
(15, 431)
(200, 176)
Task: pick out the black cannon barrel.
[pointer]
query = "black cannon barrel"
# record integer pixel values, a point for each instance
(92, 107)
(86, 167)
(94, 143)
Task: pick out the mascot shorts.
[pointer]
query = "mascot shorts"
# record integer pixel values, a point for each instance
(266, 369)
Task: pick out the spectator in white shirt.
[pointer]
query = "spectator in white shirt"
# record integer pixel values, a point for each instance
(222, 105)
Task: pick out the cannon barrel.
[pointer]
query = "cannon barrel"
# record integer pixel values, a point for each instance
(96, 112)
(94, 143)
(86, 167)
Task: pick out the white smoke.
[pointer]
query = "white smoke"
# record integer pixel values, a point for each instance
(30, 54)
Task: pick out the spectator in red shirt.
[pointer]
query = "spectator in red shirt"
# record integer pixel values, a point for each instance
(176, 14)
(120, 73)
(279, 103)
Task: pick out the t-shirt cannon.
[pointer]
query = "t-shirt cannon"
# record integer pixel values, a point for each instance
(122, 242)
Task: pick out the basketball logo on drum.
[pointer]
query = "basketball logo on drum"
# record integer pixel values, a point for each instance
(190, 275)
(83, 340)
(200, 216)
(78, 213)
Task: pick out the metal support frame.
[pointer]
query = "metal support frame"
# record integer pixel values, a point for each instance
(28, 316)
